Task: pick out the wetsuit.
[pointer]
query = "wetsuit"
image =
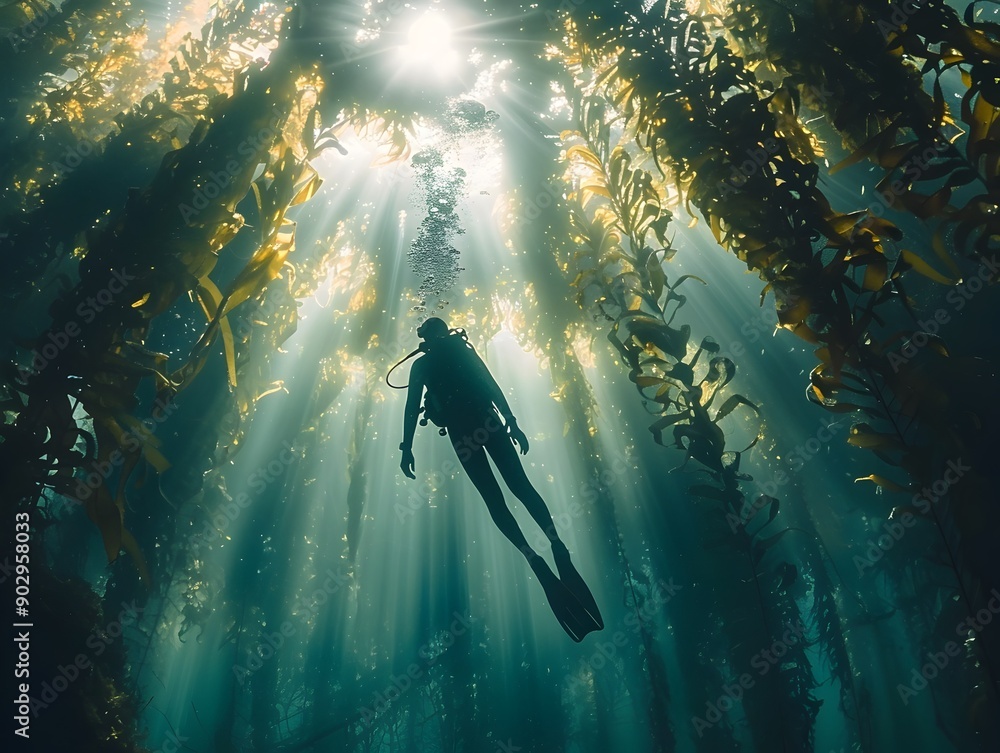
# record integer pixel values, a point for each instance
(462, 395)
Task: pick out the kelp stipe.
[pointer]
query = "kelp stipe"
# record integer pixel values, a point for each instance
(844, 296)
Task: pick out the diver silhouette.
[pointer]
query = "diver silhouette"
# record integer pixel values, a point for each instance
(463, 398)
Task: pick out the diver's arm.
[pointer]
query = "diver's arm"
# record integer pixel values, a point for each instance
(495, 393)
(500, 401)
(410, 414)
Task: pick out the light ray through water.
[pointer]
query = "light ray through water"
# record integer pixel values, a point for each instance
(389, 585)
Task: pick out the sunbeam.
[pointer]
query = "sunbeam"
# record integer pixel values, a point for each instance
(556, 377)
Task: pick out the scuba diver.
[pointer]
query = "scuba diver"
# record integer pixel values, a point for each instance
(466, 402)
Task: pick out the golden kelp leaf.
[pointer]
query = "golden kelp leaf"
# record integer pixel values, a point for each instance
(731, 404)
(803, 144)
(277, 386)
(617, 164)
(586, 156)
(876, 273)
(131, 546)
(864, 150)
(927, 206)
(796, 313)
(208, 301)
(921, 267)
(892, 156)
(842, 223)
(209, 290)
(937, 243)
(981, 119)
(149, 445)
(648, 381)
(229, 347)
(308, 190)
(882, 228)
(936, 344)
(657, 428)
(263, 267)
(980, 42)
(883, 482)
(863, 435)
(591, 189)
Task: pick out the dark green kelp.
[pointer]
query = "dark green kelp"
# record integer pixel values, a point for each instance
(221, 225)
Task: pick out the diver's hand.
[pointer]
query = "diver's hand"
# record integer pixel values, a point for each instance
(518, 438)
(406, 464)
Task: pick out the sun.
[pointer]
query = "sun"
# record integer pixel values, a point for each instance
(428, 45)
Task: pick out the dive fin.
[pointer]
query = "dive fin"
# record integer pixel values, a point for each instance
(572, 615)
(572, 579)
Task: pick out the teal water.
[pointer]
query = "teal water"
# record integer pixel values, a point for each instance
(304, 595)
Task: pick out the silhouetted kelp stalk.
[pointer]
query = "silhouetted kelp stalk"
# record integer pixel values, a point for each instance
(637, 589)
(864, 58)
(72, 99)
(868, 59)
(809, 292)
(175, 212)
(771, 221)
(630, 289)
(364, 352)
(553, 327)
(101, 358)
(92, 174)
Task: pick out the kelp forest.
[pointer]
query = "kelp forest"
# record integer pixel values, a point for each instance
(726, 269)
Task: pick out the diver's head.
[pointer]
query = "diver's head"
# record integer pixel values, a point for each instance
(432, 329)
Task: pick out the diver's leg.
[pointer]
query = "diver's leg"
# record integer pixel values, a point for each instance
(473, 459)
(509, 464)
(507, 461)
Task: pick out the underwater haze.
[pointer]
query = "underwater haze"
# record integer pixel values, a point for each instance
(447, 375)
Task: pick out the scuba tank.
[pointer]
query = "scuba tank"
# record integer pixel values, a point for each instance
(434, 409)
